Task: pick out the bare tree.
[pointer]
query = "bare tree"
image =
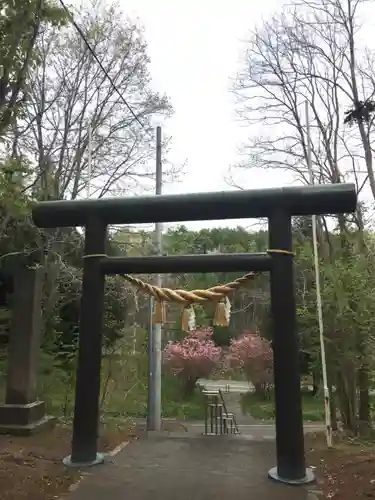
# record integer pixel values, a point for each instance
(70, 93)
(309, 53)
(20, 26)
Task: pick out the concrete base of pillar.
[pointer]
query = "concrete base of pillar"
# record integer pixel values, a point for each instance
(23, 420)
(27, 430)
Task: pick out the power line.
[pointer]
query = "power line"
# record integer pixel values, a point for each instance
(91, 50)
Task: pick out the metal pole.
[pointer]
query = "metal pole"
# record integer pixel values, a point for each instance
(327, 401)
(150, 357)
(154, 386)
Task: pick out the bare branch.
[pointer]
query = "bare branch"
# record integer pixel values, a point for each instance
(70, 93)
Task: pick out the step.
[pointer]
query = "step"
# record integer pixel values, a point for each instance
(228, 416)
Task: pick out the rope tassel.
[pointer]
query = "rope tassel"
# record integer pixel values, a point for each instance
(222, 313)
(188, 318)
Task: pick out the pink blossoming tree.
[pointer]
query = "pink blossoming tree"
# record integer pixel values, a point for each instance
(253, 354)
(193, 357)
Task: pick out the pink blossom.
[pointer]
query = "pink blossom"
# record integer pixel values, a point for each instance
(201, 333)
(193, 357)
(254, 355)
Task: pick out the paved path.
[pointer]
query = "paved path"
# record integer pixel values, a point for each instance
(186, 465)
(170, 468)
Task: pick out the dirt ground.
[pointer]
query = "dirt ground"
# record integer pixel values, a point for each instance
(30, 467)
(346, 472)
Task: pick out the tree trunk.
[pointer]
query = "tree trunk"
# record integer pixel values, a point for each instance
(364, 415)
(316, 382)
(346, 395)
(190, 387)
(261, 390)
(332, 403)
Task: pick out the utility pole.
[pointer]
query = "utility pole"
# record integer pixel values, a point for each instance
(154, 339)
(327, 405)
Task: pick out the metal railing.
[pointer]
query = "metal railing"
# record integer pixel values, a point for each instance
(217, 419)
(234, 422)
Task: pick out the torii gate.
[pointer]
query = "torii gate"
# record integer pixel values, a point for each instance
(278, 205)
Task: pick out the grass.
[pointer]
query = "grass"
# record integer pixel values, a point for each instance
(261, 409)
(174, 404)
(123, 395)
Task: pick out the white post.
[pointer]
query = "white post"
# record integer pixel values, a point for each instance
(318, 294)
(154, 353)
(89, 160)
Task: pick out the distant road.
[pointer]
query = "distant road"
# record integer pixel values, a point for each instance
(236, 386)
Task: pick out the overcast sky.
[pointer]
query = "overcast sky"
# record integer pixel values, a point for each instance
(196, 49)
